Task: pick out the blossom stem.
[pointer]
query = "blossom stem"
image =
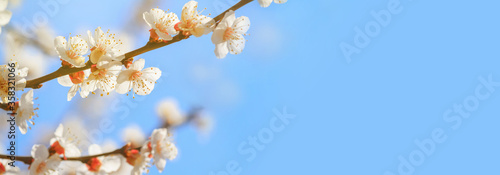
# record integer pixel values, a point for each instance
(37, 83)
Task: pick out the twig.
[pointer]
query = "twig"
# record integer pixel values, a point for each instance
(121, 151)
(151, 45)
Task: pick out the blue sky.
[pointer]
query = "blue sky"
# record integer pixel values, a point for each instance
(354, 117)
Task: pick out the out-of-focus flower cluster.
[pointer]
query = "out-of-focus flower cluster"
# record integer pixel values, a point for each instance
(156, 151)
(109, 70)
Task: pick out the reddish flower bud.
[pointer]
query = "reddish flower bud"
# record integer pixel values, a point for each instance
(132, 156)
(94, 165)
(77, 77)
(176, 27)
(153, 35)
(56, 148)
(65, 64)
(128, 62)
(93, 68)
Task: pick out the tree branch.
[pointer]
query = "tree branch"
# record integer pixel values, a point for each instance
(121, 151)
(151, 45)
(37, 83)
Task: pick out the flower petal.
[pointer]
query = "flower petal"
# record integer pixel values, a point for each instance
(72, 92)
(241, 25)
(5, 17)
(221, 50)
(65, 81)
(39, 152)
(265, 3)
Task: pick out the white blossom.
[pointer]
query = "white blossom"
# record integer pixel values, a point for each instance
(194, 23)
(169, 111)
(75, 81)
(266, 3)
(162, 23)
(103, 76)
(139, 160)
(25, 112)
(6, 169)
(162, 148)
(102, 43)
(19, 79)
(99, 165)
(134, 135)
(228, 35)
(136, 77)
(72, 50)
(43, 164)
(5, 15)
(64, 143)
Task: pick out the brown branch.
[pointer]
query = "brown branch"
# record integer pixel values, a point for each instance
(121, 151)
(37, 83)
(151, 45)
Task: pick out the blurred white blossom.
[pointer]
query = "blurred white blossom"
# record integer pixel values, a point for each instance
(42, 163)
(99, 165)
(5, 15)
(162, 148)
(134, 135)
(6, 169)
(168, 110)
(64, 143)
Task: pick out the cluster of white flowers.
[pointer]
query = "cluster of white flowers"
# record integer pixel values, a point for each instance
(227, 35)
(106, 72)
(47, 160)
(158, 149)
(24, 109)
(5, 15)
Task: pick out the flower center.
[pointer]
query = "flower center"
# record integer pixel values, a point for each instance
(161, 28)
(135, 75)
(99, 73)
(4, 85)
(56, 148)
(94, 165)
(71, 54)
(229, 34)
(97, 53)
(187, 26)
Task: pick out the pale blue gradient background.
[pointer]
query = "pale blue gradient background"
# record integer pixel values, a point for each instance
(352, 118)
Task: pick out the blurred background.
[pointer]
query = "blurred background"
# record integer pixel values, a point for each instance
(348, 113)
